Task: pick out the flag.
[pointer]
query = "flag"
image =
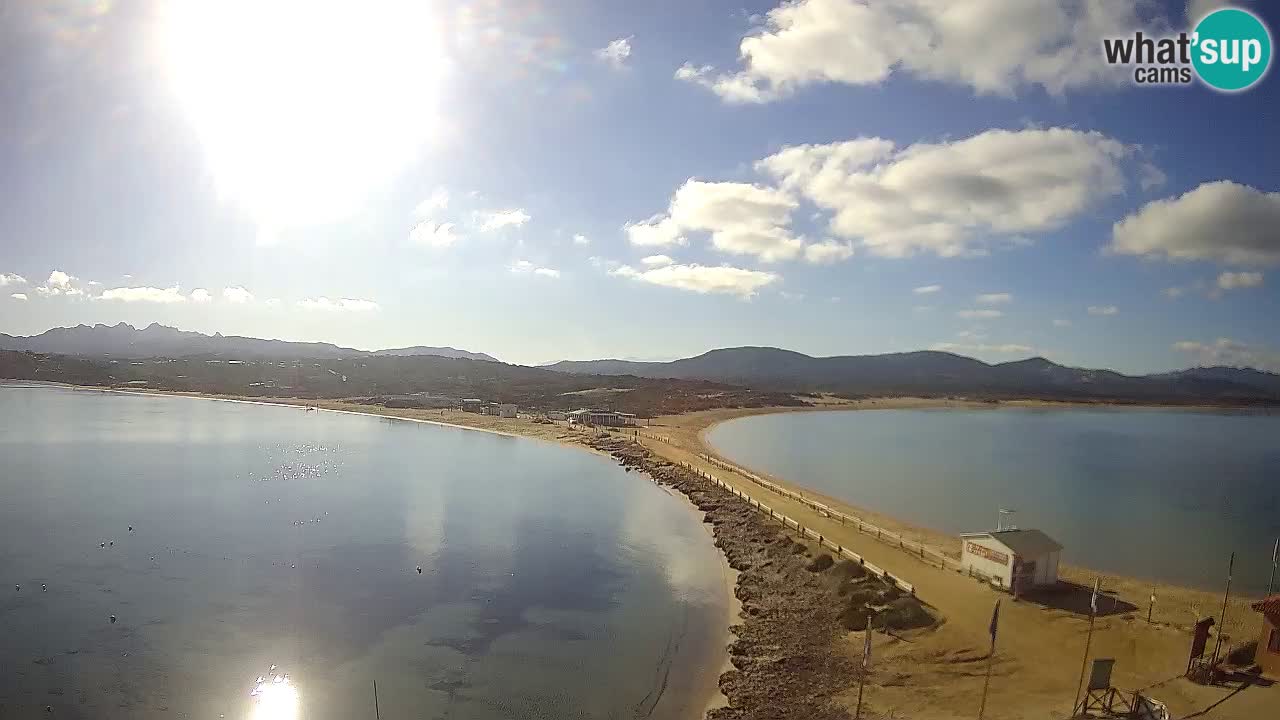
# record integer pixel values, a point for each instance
(1275, 554)
(995, 624)
(866, 646)
(1093, 601)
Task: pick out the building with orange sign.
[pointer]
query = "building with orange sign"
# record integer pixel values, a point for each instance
(1014, 560)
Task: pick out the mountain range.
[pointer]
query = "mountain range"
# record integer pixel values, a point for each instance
(764, 369)
(125, 341)
(933, 373)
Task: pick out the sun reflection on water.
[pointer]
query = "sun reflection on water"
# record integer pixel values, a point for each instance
(274, 697)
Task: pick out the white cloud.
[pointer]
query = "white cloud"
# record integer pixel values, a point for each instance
(1151, 177)
(437, 200)
(432, 234)
(580, 239)
(522, 267)
(616, 52)
(11, 279)
(979, 314)
(1103, 310)
(927, 289)
(1225, 351)
(652, 260)
(994, 299)
(828, 251)
(60, 283)
(237, 295)
(1237, 280)
(1173, 292)
(953, 198)
(743, 219)
(1052, 44)
(144, 294)
(272, 302)
(657, 231)
(794, 297)
(1061, 323)
(341, 304)
(702, 279)
(1006, 348)
(1220, 221)
(200, 295)
(19, 296)
(505, 218)
(923, 309)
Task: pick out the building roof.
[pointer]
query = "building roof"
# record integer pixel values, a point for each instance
(1268, 605)
(1026, 543)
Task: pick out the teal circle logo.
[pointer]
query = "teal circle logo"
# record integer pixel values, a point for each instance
(1231, 49)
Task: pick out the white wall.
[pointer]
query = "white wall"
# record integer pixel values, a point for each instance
(985, 566)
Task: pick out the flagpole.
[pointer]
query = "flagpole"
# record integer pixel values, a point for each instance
(862, 677)
(1222, 619)
(1084, 662)
(1275, 556)
(986, 684)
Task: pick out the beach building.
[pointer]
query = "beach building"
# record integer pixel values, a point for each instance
(1015, 560)
(605, 418)
(1268, 654)
(507, 410)
(475, 405)
(557, 415)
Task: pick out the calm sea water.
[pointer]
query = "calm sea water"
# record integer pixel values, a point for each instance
(1149, 493)
(553, 584)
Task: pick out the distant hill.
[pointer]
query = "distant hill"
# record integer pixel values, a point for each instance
(155, 340)
(436, 351)
(940, 373)
(393, 380)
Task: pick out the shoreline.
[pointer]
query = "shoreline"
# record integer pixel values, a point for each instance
(922, 675)
(939, 540)
(1043, 652)
(710, 696)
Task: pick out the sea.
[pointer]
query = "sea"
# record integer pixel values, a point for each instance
(171, 557)
(1162, 494)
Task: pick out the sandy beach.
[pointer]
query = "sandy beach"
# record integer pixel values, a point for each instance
(1041, 644)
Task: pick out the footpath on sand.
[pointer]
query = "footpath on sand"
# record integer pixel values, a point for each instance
(1037, 665)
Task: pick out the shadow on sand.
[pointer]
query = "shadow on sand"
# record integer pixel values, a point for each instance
(1074, 598)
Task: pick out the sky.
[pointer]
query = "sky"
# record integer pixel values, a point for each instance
(572, 180)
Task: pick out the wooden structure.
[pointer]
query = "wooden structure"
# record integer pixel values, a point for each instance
(1014, 560)
(1268, 654)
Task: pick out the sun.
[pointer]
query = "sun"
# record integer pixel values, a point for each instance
(304, 108)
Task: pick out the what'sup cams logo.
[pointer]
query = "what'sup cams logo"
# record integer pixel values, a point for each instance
(1229, 50)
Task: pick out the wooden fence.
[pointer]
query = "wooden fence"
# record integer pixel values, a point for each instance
(808, 532)
(888, 537)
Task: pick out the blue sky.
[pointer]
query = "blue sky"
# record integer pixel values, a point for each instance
(796, 176)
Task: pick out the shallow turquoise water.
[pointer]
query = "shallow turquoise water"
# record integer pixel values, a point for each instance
(1160, 494)
(553, 584)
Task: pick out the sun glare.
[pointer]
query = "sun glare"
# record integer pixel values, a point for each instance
(274, 698)
(304, 107)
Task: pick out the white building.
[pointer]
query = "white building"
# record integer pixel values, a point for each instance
(1016, 560)
(507, 410)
